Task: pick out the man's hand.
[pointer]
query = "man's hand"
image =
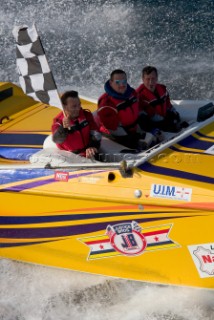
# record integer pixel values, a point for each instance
(66, 122)
(90, 152)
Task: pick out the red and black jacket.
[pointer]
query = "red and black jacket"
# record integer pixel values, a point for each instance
(82, 134)
(126, 106)
(157, 102)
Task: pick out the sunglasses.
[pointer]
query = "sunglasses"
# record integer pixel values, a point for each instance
(123, 81)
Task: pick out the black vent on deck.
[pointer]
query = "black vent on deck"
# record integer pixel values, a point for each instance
(6, 94)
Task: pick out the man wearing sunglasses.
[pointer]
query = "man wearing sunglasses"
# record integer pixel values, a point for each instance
(118, 111)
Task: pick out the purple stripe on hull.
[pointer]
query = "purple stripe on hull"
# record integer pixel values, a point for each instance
(53, 232)
(192, 142)
(39, 183)
(204, 135)
(6, 220)
(148, 167)
(21, 244)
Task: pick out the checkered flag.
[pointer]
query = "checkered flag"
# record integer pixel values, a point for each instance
(35, 76)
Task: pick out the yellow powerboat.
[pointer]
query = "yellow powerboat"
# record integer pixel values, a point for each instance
(146, 217)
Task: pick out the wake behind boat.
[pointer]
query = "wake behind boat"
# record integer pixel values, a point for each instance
(145, 216)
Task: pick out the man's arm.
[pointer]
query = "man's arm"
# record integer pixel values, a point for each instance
(95, 135)
(59, 133)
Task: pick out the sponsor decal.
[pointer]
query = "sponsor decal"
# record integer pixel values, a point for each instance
(170, 192)
(203, 257)
(61, 176)
(90, 179)
(128, 239)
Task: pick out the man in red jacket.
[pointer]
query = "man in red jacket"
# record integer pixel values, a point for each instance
(118, 111)
(75, 130)
(156, 110)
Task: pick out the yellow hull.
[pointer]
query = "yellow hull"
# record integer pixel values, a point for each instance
(50, 226)
(153, 224)
(21, 116)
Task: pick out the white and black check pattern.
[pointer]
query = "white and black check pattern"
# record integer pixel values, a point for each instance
(35, 76)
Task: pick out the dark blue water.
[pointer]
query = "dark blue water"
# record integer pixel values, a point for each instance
(85, 40)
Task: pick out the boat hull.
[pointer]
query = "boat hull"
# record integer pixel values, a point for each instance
(149, 222)
(113, 232)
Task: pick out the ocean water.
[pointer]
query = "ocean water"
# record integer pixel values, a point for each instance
(84, 41)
